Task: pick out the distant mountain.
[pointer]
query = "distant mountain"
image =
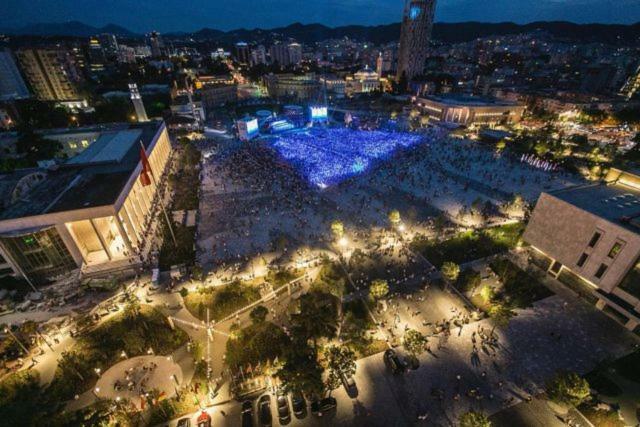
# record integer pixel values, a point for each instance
(446, 32)
(311, 33)
(67, 29)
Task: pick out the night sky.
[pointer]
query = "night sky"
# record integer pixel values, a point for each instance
(188, 15)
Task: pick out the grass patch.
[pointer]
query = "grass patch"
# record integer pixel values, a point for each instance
(280, 277)
(471, 245)
(256, 343)
(603, 416)
(221, 300)
(133, 331)
(356, 323)
(520, 289)
(183, 253)
(186, 180)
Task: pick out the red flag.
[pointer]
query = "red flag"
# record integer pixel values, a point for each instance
(146, 168)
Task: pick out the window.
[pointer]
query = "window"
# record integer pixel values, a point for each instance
(601, 270)
(582, 260)
(615, 250)
(594, 240)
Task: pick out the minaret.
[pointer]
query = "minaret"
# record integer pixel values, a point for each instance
(141, 113)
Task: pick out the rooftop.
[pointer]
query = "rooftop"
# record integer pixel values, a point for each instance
(93, 178)
(468, 100)
(616, 201)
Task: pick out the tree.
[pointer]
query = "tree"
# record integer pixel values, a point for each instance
(394, 217)
(501, 315)
(414, 342)
(474, 419)
(487, 294)
(35, 147)
(317, 316)
(379, 289)
(337, 228)
(569, 388)
(301, 371)
(259, 314)
(450, 271)
(340, 360)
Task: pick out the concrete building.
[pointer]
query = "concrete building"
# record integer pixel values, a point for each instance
(364, 81)
(242, 53)
(156, 44)
(291, 86)
(591, 234)
(92, 212)
(469, 110)
(97, 57)
(50, 72)
(12, 85)
(217, 95)
(294, 52)
(415, 34)
(258, 56)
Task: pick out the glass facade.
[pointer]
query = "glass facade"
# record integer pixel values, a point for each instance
(41, 254)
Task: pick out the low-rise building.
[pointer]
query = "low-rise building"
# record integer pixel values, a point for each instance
(92, 211)
(291, 86)
(469, 110)
(591, 233)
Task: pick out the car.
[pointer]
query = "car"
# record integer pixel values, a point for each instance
(393, 362)
(299, 404)
(264, 410)
(247, 413)
(350, 386)
(184, 422)
(319, 407)
(284, 413)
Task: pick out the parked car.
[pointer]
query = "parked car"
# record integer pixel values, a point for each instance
(264, 410)
(393, 362)
(247, 413)
(299, 404)
(284, 413)
(350, 386)
(184, 422)
(319, 407)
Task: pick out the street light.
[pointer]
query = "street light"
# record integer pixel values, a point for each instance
(7, 330)
(401, 228)
(343, 242)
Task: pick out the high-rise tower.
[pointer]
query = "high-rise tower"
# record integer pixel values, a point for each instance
(415, 33)
(141, 113)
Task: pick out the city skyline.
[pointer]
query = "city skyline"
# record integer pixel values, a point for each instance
(171, 15)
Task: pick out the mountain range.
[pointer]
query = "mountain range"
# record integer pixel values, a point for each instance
(309, 33)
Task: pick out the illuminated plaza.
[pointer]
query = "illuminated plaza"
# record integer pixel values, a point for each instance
(327, 156)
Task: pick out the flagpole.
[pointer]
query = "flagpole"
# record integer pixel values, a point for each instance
(164, 210)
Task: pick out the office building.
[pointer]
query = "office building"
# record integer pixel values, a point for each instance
(294, 52)
(258, 56)
(109, 44)
(50, 72)
(279, 54)
(415, 34)
(591, 237)
(97, 58)
(469, 110)
(218, 95)
(12, 85)
(156, 44)
(242, 53)
(91, 212)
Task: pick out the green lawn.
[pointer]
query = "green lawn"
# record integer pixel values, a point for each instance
(520, 289)
(257, 343)
(221, 300)
(134, 331)
(185, 182)
(471, 245)
(183, 253)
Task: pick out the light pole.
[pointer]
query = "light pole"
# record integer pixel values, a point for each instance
(7, 330)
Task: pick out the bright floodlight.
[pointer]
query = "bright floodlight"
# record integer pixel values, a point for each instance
(401, 227)
(343, 241)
